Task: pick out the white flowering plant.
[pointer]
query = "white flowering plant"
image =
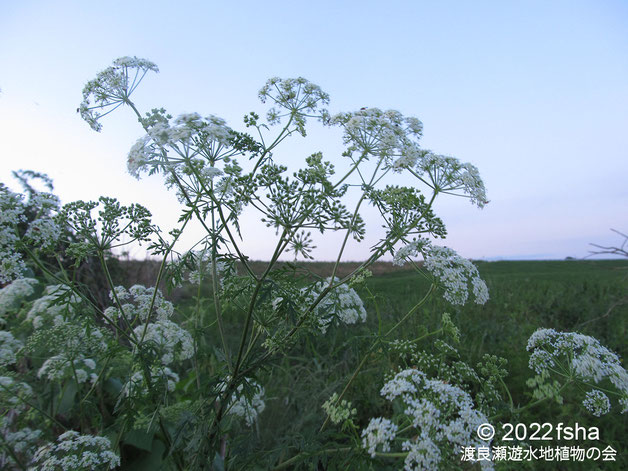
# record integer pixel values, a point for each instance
(136, 380)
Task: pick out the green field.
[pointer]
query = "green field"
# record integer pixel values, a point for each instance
(584, 296)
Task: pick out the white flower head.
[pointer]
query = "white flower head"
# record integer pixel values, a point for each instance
(139, 302)
(455, 274)
(386, 135)
(73, 452)
(161, 376)
(12, 210)
(597, 403)
(204, 268)
(23, 441)
(412, 249)
(171, 342)
(248, 406)
(449, 175)
(295, 98)
(341, 304)
(58, 303)
(43, 232)
(13, 294)
(12, 266)
(112, 87)
(61, 367)
(422, 454)
(582, 356)
(439, 417)
(9, 346)
(184, 149)
(379, 433)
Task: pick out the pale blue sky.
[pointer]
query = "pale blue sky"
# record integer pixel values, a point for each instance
(535, 94)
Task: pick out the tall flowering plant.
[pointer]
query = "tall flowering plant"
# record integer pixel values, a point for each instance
(136, 380)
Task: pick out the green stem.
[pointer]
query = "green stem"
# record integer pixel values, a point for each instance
(296, 458)
(132, 337)
(11, 452)
(29, 404)
(412, 311)
(102, 371)
(258, 286)
(47, 272)
(530, 404)
(78, 386)
(374, 345)
(501, 380)
(216, 294)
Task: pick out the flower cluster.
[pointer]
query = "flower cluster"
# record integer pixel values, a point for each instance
(384, 134)
(57, 304)
(136, 302)
(14, 293)
(246, 403)
(441, 417)
(203, 268)
(299, 97)
(455, 273)
(60, 367)
(412, 249)
(75, 452)
(13, 397)
(112, 87)
(338, 411)
(580, 357)
(22, 442)
(11, 214)
(189, 145)
(341, 303)
(160, 376)
(597, 403)
(448, 174)
(41, 233)
(378, 432)
(9, 346)
(114, 225)
(170, 341)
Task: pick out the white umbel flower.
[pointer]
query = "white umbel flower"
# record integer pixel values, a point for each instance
(171, 341)
(136, 386)
(439, 417)
(379, 433)
(249, 408)
(136, 303)
(75, 452)
(9, 346)
(455, 274)
(12, 294)
(341, 304)
(422, 455)
(60, 367)
(597, 403)
(583, 356)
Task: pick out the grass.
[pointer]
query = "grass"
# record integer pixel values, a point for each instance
(585, 296)
(589, 297)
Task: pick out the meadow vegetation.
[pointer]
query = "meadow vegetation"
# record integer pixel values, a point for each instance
(212, 361)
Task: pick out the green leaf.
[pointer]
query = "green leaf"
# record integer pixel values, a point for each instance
(113, 386)
(219, 463)
(67, 399)
(139, 439)
(152, 461)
